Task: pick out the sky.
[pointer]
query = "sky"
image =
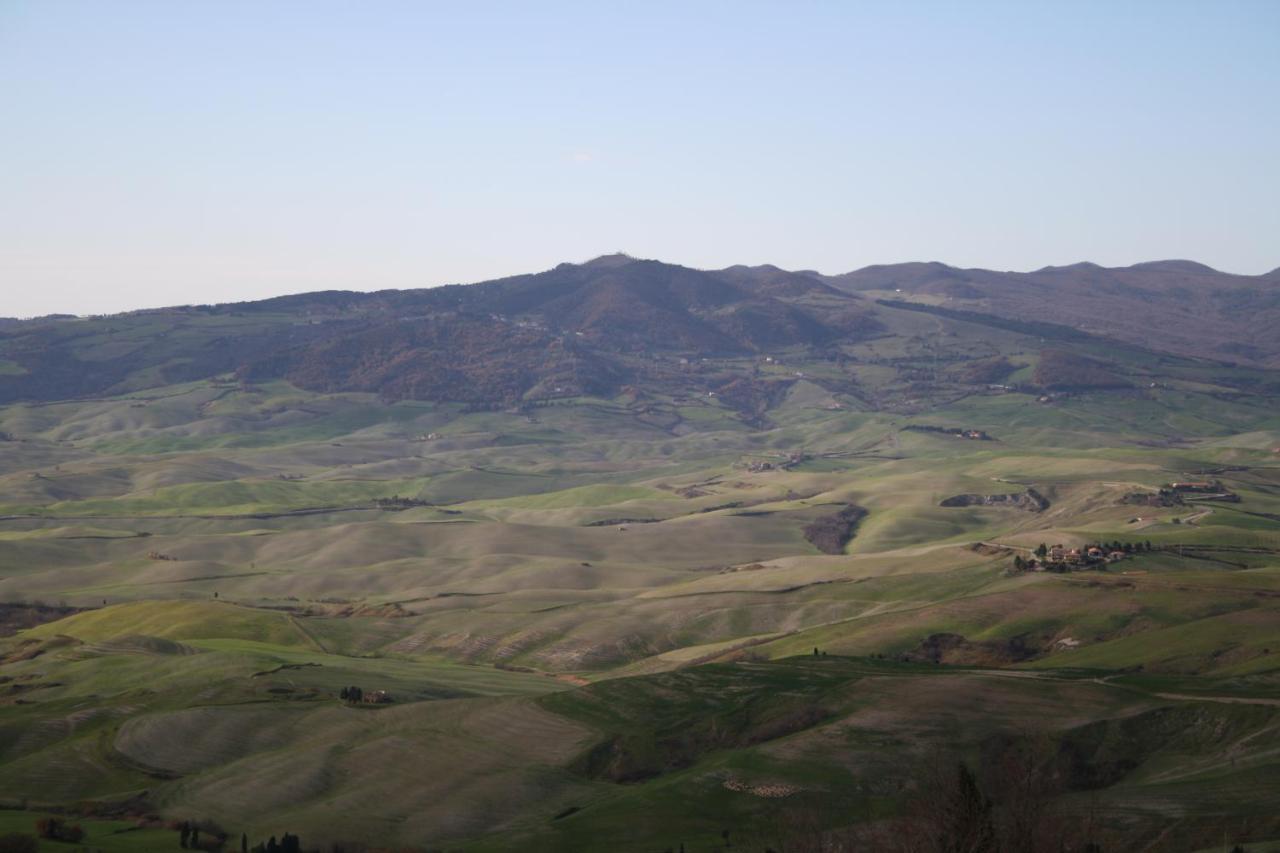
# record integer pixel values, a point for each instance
(158, 153)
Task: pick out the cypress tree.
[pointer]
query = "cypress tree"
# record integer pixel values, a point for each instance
(971, 828)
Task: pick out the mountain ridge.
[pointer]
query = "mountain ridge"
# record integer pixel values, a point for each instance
(616, 320)
(1175, 306)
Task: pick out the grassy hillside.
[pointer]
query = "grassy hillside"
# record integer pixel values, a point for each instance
(596, 613)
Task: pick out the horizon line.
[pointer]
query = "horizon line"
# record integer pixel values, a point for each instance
(1153, 265)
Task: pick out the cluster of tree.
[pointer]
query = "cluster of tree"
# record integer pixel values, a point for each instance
(202, 836)
(397, 502)
(287, 844)
(831, 533)
(1042, 550)
(1164, 497)
(351, 694)
(57, 829)
(959, 432)
(1127, 547)
(1007, 807)
(615, 522)
(1009, 803)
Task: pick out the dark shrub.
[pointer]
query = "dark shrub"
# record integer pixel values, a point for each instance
(17, 842)
(57, 829)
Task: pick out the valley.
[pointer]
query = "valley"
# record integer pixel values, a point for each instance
(642, 557)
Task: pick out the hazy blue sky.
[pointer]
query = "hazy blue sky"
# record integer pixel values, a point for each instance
(182, 151)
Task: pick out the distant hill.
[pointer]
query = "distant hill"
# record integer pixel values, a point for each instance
(617, 321)
(1174, 306)
(577, 328)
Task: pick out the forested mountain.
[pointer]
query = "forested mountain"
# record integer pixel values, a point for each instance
(1174, 306)
(615, 321)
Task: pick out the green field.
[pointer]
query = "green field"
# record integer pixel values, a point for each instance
(597, 619)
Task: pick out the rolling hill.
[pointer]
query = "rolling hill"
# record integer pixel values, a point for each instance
(647, 557)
